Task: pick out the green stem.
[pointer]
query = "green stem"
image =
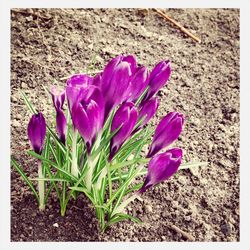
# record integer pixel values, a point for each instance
(109, 183)
(74, 167)
(63, 209)
(89, 175)
(41, 186)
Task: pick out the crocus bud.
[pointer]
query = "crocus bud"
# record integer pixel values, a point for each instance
(158, 77)
(139, 82)
(125, 118)
(148, 110)
(167, 131)
(58, 97)
(115, 81)
(61, 125)
(88, 114)
(161, 167)
(74, 84)
(37, 132)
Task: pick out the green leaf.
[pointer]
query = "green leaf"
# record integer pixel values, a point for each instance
(28, 103)
(49, 179)
(135, 187)
(192, 164)
(125, 184)
(73, 178)
(125, 176)
(26, 179)
(134, 145)
(104, 143)
(132, 218)
(141, 96)
(121, 217)
(47, 169)
(85, 191)
(128, 163)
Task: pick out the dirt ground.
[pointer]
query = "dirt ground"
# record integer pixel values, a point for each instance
(48, 44)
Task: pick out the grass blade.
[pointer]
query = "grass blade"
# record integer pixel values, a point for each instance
(192, 164)
(26, 179)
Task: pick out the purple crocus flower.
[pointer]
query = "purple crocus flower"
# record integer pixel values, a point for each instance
(158, 77)
(148, 110)
(115, 81)
(58, 98)
(139, 82)
(37, 132)
(167, 131)
(125, 118)
(74, 84)
(88, 114)
(161, 167)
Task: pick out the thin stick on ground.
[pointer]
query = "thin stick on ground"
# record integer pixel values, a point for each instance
(161, 13)
(184, 234)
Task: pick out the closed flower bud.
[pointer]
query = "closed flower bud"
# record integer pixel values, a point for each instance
(148, 110)
(161, 167)
(125, 118)
(58, 97)
(167, 131)
(61, 125)
(158, 78)
(37, 132)
(139, 82)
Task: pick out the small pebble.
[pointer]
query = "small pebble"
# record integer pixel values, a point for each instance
(226, 228)
(55, 225)
(19, 117)
(174, 204)
(194, 171)
(15, 124)
(163, 237)
(148, 209)
(23, 85)
(13, 99)
(29, 18)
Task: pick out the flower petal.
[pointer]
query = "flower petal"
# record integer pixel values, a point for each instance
(139, 82)
(79, 79)
(58, 97)
(148, 110)
(61, 125)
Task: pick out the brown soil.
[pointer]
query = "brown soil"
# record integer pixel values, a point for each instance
(203, 202)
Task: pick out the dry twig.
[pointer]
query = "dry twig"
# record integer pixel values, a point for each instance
(161, 13)
(185, 234)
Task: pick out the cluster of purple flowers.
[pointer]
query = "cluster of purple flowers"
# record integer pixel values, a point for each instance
(91, 100)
